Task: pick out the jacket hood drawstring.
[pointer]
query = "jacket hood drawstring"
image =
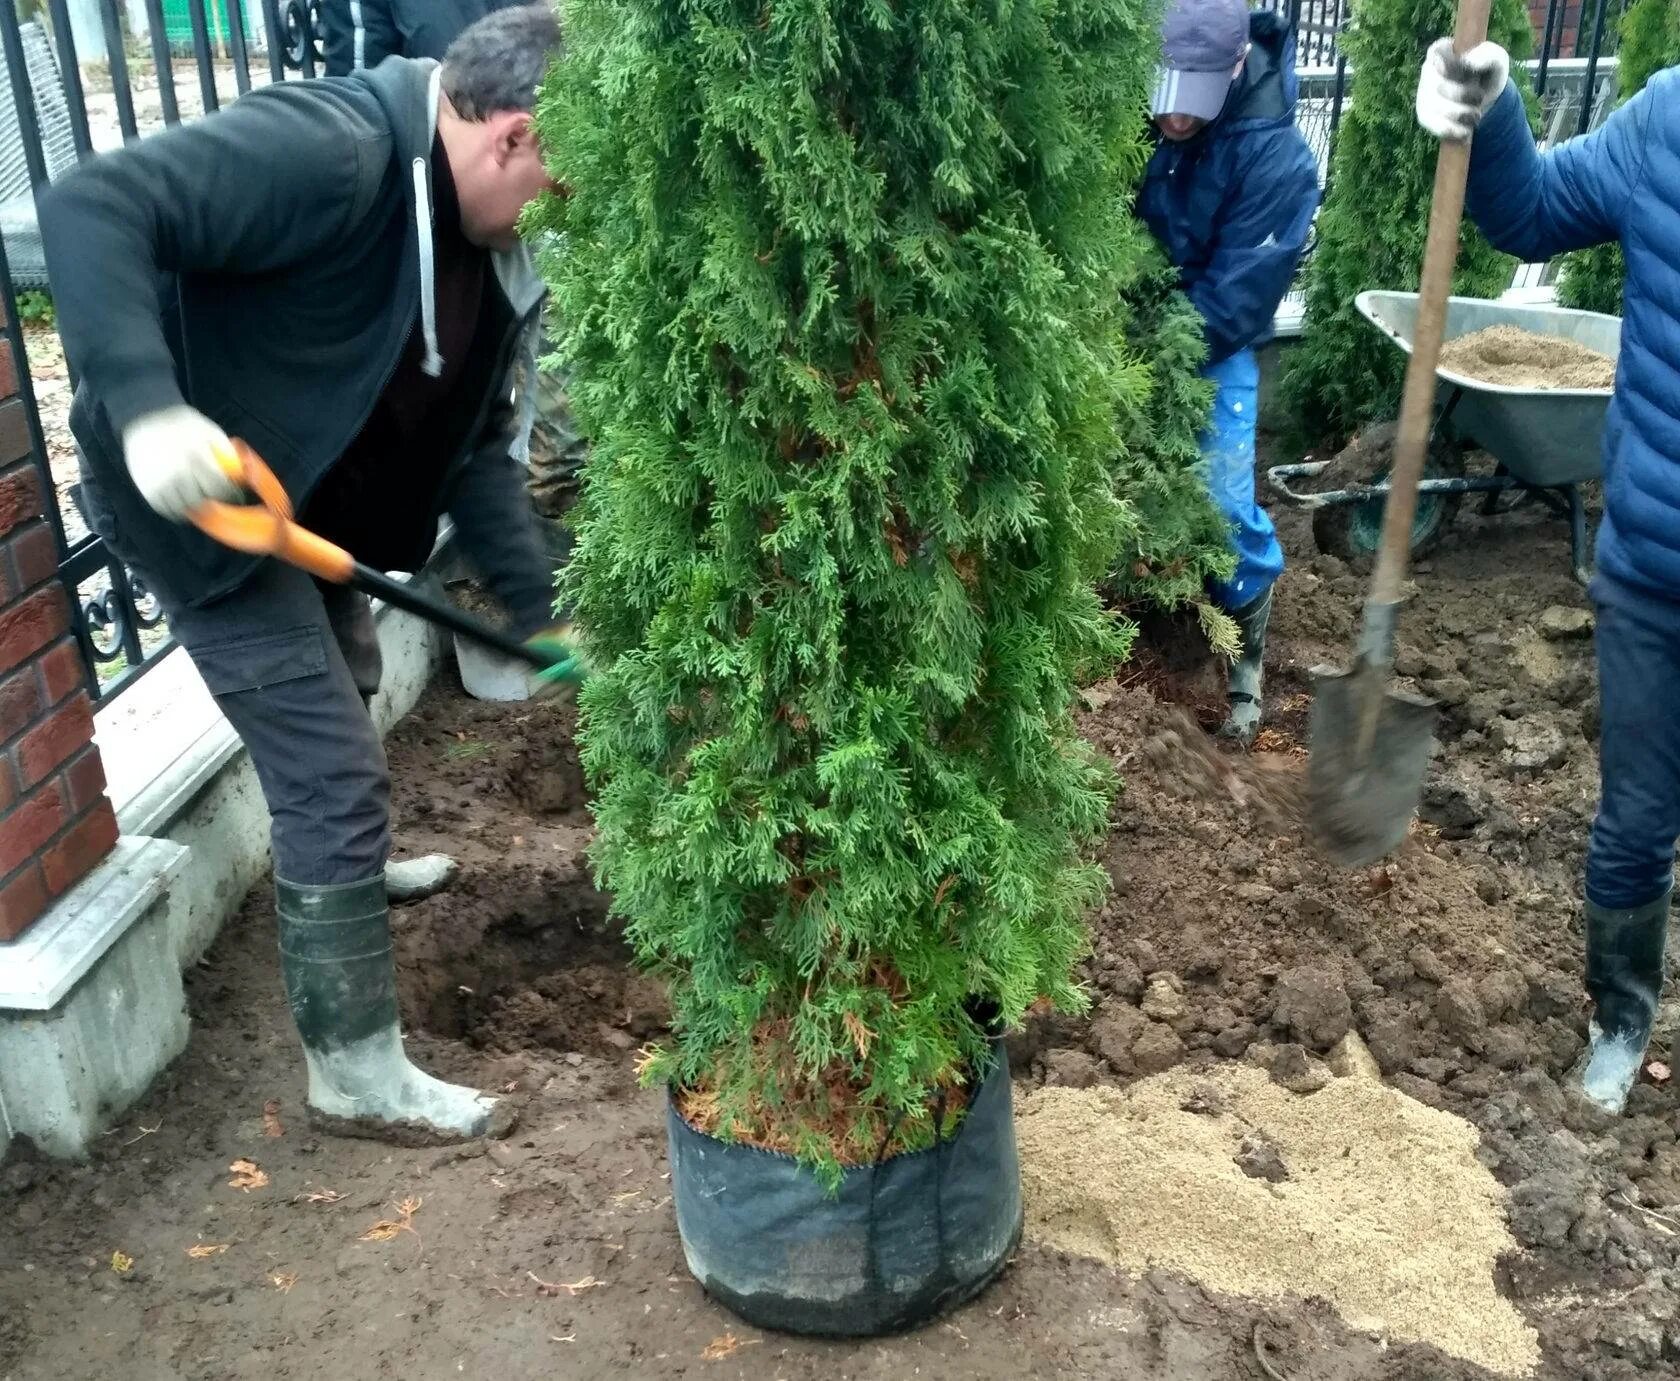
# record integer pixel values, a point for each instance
(433, 363)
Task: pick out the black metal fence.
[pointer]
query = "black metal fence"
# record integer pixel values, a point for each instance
(91, 75)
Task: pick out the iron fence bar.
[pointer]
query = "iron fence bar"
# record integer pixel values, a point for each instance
(23, 97)
(201, 51)
(1589, 84)
(235, 12)
(118, 58)
(1337, 97)
(1552, 9)
(165, 61)
(70, 74)
(306, 26)
(276, 45)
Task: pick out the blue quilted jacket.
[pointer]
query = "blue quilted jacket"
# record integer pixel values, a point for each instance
(1233, 207)
(1621, 182)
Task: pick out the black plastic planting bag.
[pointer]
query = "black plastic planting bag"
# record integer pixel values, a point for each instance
(900, 1243)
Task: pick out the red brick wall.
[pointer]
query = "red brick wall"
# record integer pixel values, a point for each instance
(55, 821)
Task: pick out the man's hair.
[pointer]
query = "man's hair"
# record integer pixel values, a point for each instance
(497, 63)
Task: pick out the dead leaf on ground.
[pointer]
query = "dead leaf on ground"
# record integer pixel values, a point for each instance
(726, 1346)
(204, 1249)
(387, 1228)
(271, 1118)
(319, 1196)
(122, 1263)
(1659, 1072)
(283, 1281)
(247, 1176)
(576, 1288)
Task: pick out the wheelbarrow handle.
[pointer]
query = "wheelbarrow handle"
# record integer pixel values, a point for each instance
(267, 528)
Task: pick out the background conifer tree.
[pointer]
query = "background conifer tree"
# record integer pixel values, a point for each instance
(1371, 230)
(842, 281)
(1649, 41)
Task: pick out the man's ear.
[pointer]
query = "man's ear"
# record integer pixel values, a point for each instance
(511, 132)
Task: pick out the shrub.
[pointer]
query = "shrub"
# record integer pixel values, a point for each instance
(842, 284)
(1375, 219)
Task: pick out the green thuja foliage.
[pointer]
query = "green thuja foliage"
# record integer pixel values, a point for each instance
(842, 285)
(1649, 41)
(1173, 538)
(1375, 218)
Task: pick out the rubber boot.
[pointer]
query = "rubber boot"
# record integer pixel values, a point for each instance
(1247, 674)
(415, 879)
(1624, 978)
(335, 957)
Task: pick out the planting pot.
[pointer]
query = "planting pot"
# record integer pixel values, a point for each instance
(901, 1242)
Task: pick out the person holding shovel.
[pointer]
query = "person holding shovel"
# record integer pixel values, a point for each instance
(1230, 193)
(329, 271)
(1620, 183)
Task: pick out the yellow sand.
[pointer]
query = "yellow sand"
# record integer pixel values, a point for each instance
(1386, 1213)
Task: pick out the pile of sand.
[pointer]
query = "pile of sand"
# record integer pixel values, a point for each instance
(1381, 1207)
(1516, 358)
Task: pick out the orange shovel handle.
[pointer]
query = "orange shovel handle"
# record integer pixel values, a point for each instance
(266, 528)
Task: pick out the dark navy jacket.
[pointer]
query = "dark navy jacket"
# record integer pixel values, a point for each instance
(1621, 182)
(1234, 205)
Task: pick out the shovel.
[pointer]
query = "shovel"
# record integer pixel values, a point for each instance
(267, 528)
(1371, 745)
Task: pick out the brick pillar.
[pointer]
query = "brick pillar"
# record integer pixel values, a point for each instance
(55, 820)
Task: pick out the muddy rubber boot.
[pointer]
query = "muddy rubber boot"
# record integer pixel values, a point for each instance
(1624, 978)
(415, 879)
(335, 957)
(1247, 674)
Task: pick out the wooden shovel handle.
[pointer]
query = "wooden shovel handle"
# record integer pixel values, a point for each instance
(1417, 407)
(266, 528)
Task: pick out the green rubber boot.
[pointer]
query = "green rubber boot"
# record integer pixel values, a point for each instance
(1247, 676)
(1624, 980)
(335, 956)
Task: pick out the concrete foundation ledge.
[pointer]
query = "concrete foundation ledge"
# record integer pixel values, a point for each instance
(91, 1003)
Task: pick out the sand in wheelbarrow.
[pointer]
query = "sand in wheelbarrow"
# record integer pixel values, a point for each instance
(1515, 358)
(1355, 1194)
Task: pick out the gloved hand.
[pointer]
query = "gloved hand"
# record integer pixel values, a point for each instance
(171, 457)
(1455, 92)
(566, 666)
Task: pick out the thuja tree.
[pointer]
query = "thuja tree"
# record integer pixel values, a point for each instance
(1375, 218)
(842, 285)
(1173, 537)
(1650, 41)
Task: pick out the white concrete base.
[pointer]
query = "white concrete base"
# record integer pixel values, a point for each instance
(91, 1001)
(70, 1065)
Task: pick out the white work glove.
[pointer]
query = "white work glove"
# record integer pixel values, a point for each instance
(1455, 92)
(171, 458)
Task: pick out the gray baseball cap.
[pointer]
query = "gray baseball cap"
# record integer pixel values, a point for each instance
(1202, 41)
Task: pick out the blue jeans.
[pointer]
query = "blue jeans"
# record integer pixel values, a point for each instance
(1630, 860)
(1228, 449)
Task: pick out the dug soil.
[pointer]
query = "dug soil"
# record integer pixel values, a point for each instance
(1517, 358)
(1228, 953)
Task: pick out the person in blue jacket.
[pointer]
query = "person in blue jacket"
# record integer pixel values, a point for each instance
(1620, 183)
(1230, 193)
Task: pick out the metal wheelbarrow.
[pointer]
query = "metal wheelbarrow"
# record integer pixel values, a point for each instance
(1544, 442)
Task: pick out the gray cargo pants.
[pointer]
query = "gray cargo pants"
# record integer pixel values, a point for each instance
(292, 664)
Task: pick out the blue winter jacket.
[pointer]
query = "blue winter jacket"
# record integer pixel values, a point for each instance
(1234, 205)
(1621, 182)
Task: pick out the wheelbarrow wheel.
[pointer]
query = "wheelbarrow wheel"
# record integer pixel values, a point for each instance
(1352, 530)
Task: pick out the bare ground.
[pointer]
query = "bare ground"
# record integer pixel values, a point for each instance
(555, 1253)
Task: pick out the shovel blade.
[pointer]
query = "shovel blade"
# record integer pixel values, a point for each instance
(1361, 804)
